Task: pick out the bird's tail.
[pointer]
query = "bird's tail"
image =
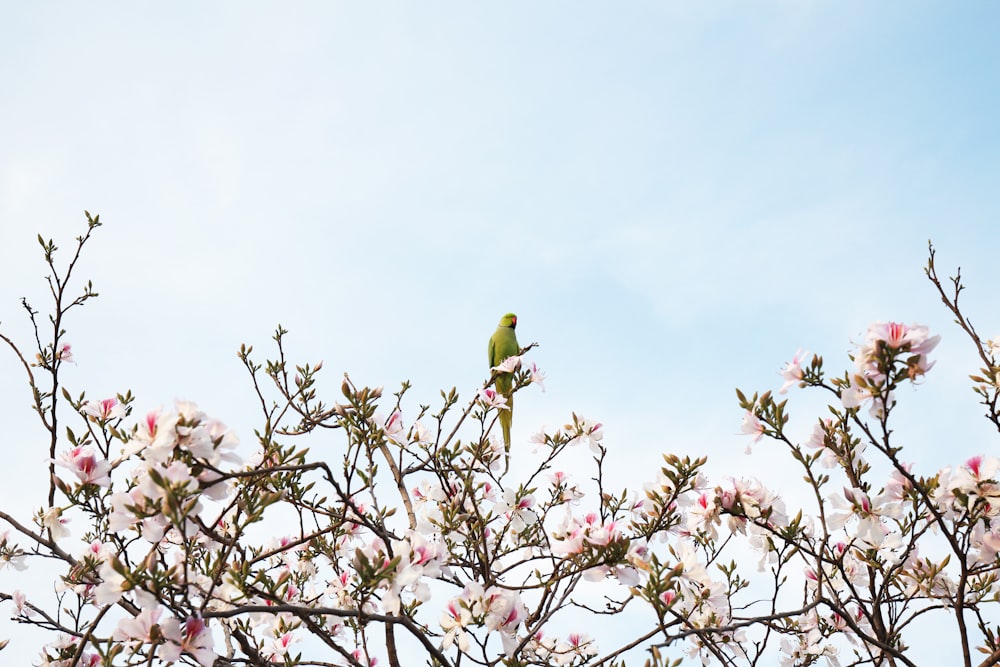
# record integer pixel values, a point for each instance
(506, 417)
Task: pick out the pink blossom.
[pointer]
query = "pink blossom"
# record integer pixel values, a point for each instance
(362, 658)
(855, 395)
(805, 647)
(418, 559)
(960, 491)
(503, 608)
(489, 491)
(112, 585)
(749, 499)
(279, 645)
(577, 646)
(193, 637)
(206, 439)
(393, 428)
(537, 376)
(83, 462)
(20, 604)
(65, 353)
(703, 515)
(176, 477)
(588, 431)
(993, 345)
(898, 485)
(574, 534)
(914, 338)
(982, 468)
(421, 435)
(155, 436)
(538, 440)
(517, 509)
(490, 398)
(752, 426)
(508, 365)
(856, 504)
(568, 541)
(104, 410)
(987, 543)
(892, 334)
(792, 372)
(454, 618)
(824, 438)
(141, 626)
(569, 492)
(10, 554)
(602, 534)
(52, 519)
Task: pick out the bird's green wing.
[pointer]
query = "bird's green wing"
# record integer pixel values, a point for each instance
(503, 344)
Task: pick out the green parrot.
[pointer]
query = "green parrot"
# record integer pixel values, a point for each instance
(503, 344)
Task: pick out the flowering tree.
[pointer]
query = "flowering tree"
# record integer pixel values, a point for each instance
(418, 545)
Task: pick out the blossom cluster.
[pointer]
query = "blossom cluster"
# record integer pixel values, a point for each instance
(888, 346)
(166, 487)
(190, 550)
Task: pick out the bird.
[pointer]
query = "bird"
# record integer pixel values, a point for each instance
(503, 344)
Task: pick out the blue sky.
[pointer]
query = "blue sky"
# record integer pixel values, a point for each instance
(673, 197)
